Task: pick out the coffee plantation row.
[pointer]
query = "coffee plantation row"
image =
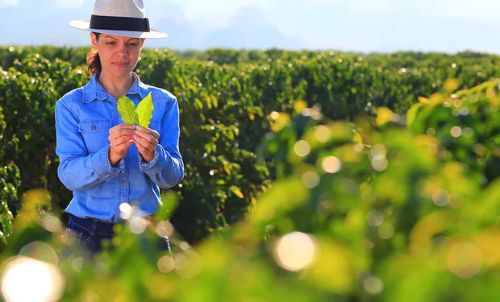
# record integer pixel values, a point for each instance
(226, 98)
(386, 206)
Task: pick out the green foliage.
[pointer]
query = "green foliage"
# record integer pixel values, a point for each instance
(467, 123)
(29, 90)
(375, 209)
(9, 185)
(226, 98)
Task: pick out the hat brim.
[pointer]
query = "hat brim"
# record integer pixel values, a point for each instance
(152, 34)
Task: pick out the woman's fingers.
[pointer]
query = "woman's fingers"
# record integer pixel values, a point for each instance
(124, 127)
(145, 147)
(147, 131)
(121, 140)
(145, 139)
(121, 130)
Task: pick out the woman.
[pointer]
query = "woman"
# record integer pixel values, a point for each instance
(105, 163)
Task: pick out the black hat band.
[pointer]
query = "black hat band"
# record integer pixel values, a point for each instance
(119, 23)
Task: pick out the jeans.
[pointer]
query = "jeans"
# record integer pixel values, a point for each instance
(91, 232)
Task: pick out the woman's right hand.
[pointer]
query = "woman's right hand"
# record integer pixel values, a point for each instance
(120, 138)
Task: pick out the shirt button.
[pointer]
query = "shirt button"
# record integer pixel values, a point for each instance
(93, 127)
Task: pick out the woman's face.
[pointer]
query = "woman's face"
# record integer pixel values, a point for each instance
(118, 55)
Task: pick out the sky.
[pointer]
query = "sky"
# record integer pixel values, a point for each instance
(347, 25)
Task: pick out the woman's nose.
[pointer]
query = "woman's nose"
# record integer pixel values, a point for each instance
(123, 49)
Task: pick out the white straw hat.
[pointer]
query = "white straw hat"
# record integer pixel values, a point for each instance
(119, 18)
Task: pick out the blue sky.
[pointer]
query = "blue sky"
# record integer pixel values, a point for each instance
(350, 25)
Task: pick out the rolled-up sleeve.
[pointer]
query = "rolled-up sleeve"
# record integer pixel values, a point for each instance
(77, 169)
(166, 169)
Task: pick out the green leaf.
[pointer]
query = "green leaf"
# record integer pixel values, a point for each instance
(145, 111)
(126, 108)
(237, 191)
(411, 115)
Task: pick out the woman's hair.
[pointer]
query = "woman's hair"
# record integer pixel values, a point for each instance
(93, 60)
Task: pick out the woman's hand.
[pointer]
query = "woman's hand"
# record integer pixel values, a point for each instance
(146, 140)
(120, 138)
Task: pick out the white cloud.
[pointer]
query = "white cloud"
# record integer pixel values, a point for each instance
(370, 5)
(7, 3)
(477, 10)
(251, 28)
(70, 4)
(359, 25)
(217, 13)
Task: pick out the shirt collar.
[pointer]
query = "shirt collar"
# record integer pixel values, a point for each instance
(93, 90)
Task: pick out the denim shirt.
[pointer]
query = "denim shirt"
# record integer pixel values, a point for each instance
(83, 118)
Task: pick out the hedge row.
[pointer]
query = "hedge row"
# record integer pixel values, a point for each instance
(382, 208)
(225, 100)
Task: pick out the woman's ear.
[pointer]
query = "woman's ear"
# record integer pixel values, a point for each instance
(93, 40)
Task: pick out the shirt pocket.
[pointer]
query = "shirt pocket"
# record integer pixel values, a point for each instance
(95, 134)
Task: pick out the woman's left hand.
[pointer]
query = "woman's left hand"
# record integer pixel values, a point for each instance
(146, 140)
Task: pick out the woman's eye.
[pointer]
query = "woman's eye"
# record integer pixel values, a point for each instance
(110, 43)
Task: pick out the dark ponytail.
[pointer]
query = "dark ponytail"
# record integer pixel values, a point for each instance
(93, 60)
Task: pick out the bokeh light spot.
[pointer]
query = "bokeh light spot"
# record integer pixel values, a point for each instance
(302, 148)
(386, 231)
(380, 164)
(331, 164)
(373, 285)
(310, 179)
(441, 198)
(464, 260)
(295, 251)
(28, 279)
(322, 134)
(456, 132)
(375, 218)
(164, 229)
(40, 251)
(137, 225)
(166, 264)
(51, 223)
(126, 211)
(274, 115)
